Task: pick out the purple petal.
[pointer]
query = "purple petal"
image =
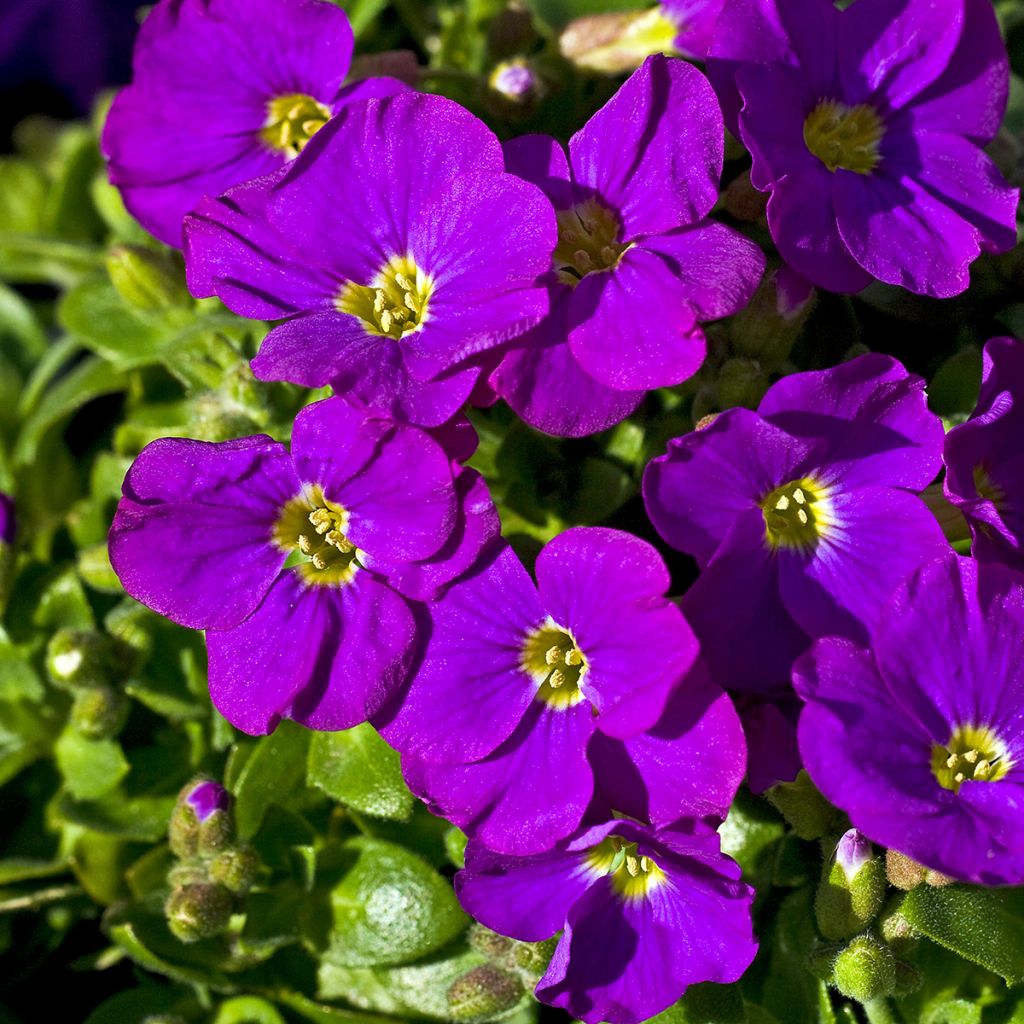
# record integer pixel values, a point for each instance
(374, 88)
(633, 328)
(770, 730)
(607, 588)
(541, 160)
(394, 480)
(470, 693)
(654, 151)
(192, 536)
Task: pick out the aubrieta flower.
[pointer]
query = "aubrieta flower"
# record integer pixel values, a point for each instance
(867, 127)
(292, 563)
(643, 914)
(985, 458)
(522, 684)
(638, 265)
(920, 738)
(397, 247)
(225, 91)
(694, 21)
(801, 514)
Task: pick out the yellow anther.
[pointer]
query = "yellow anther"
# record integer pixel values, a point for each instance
(588, 241)
(393, 304)
(292, 120)
(973, 754)
(552, 660)
(843, 137)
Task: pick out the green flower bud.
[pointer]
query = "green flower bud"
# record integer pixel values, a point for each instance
(741, 382)
(908, 978)
(902, 872)
(100, 712)
(149, 280)
(489, 944)
(809, 814)
(455, 846)
(896, 929)
(769, 325)
(851, 894)
(189, 872)
(483, 992)
(532, 958)
(865, 970)
(201, 822)
(197, 912)
(79, 659)
(236, 868)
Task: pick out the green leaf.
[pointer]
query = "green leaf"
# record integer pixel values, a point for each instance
(143, 817)
(388, 908)
(129, 936)
(749, 832)
(982, 925)
(707, 1003)
(22, 191)
(91, 768)
(247, 1010)
(272, 774)
(358, 768)
(138, 1005)
(15, 869)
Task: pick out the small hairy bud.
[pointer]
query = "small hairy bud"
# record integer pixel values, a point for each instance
(197, 912)
(79, 659)
(853, 889)
(489, 944)
(902, 872)
(201, 822)
(483, 992)
(865, 970)
(236, 868)
(100, 712)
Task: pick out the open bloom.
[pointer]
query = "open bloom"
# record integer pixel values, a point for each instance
(694, 21)
(866, 126)
(582, 675)
(801, 514)
(920, 738)
(638, 265)
(643, 914)
(294, 563)
(985, 458)
(224, 91)
(397, 247)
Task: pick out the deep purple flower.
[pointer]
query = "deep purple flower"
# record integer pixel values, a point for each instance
(645, 914)
(694, 21)
(985, 458)
(800, 514)
(637, 265)
(296, 564)
(8, 520)
(397, 247)
(580, 678)
(769, 727)
(225, 91)
(206, 798)
(920, 739)
(867, 126)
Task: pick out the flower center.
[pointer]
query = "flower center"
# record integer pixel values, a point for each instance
(973, 754)
(796, 514)
(292, 120)
(395, 303)
(842, 136)
(987, 488)
(588, 241)
(550, 656)
(633, 875)
(312, 529)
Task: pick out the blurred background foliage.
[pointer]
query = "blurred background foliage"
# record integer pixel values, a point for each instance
(329, 900)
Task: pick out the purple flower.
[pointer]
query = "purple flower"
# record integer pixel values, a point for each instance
(582, 677)
(800, 514)
(985, 460)
(637, 264)
(206, 798)
(867, 126)
(8, 519)
(695, 22)
(397, 247)
(296, 564)
(645, 914)
(769, 727)
(224, 91)
(920, 739)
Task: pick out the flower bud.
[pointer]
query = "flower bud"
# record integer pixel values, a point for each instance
(851, 895)
(896, 929)
(483, 992)
(865, 970)
(79, 659)
(767, 328)
(149, 280)
(614, 43)
(489, 944)
(902, 872)
(741, 382)
(908, 979)
(515, 88)
(532, 958)
(201, 821)
(236, 868)
(100, 712)
(808, 813)
(197, 912)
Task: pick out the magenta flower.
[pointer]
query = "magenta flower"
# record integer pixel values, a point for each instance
(638, 264)
(920, 739)
(298, 565)
(225, 91)
(866, 126)
(695, 23)
(417, 253)
(643, 915)
(801, 514)
(587, 676)
(985, 459)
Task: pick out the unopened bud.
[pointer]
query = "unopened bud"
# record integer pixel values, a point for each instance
(614, 43)
(741, 382)
(79, 659)
(532, 958)
(197, 912)
(767, 328)
(483, 992)
(937, 880)
(808, 813)
(201, 820)
(236, 868)
(515, 80)
(903, 872)
(149, 280)
(865, 970)
(100, 712)
(908, 979)
(896, 929)
(489, 944)
(852, 893)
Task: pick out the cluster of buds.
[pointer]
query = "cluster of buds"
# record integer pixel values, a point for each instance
(214, 873)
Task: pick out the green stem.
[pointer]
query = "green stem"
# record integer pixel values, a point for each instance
(39, 898)
(878, 1011)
